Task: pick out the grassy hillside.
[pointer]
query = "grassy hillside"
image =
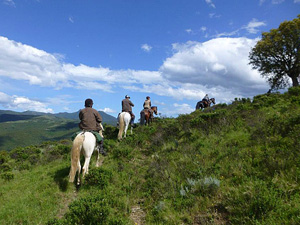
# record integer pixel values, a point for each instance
(35, 131)
(27, 128)
(230, 164)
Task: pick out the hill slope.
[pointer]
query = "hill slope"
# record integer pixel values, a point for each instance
(235, 164)
(26, 128)
(35, 130)
(7, 115)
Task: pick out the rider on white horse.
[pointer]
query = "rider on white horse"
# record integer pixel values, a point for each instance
(90, 120)
(127, 107)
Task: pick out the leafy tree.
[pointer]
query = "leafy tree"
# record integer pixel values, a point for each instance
(277, 55)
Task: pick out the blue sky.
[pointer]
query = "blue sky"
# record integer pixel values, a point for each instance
(56, 53)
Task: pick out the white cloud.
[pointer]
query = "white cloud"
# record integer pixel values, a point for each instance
(9, 2)
(218, 67)
(158, 103)
(175, 109)
(146, 47)
(277, 1)
(261, 2)
(4, 98)
(23, 62)
(108, 110)
(188, 31)
(213, 15)
(296, 1)
(183, 108)
(210, 3)
(253, 25)
(227, 34)
(220, 62)
(19, 102)
(71, 19)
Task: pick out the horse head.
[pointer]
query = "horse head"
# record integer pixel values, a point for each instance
(213, 100)
(154, 108)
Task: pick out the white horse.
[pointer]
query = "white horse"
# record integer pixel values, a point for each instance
(124, 120)
(85, 141)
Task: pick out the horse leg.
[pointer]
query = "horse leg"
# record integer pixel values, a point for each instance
(125, 130)
(85, 169)
(98, 156)
(99, 159)
(79, 170)
(147, 118)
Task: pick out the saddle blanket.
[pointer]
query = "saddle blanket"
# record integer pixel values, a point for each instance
(95, 133)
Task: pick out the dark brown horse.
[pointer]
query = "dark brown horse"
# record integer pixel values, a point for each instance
(146, 116)
(204, 104)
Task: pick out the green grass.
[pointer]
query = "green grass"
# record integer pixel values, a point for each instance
(35, 196)
(42, 128)
(235, 164)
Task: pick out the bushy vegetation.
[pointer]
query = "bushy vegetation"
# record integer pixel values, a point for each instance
(229, 164)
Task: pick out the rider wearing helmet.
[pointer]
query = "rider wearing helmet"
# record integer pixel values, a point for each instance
(127, 107)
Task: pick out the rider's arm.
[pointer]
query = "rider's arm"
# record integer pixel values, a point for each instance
(98, 117)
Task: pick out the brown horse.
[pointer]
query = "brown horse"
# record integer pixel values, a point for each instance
(204, 104)
(146, 116)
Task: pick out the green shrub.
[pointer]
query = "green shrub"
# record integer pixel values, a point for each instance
(56, 151)
(294, 91)
(252, 202)
(24, 166)
(3, 157)
(5, 167)
(122, 152)
(21, 154)
(98, 177)
(7, 176)
(207, 186)
(89, 210)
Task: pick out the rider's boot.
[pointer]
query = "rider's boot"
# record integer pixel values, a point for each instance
(101, 149)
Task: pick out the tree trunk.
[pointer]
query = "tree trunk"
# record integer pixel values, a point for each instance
(295, 81)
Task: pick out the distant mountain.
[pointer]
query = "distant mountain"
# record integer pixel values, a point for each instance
(74, 116)
(8, 115)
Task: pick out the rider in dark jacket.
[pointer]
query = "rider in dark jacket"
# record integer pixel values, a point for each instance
(90, 120)
(127, 107)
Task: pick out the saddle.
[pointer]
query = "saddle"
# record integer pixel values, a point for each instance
(205, 103)
(95, 133)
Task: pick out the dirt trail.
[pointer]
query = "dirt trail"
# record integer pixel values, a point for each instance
(137, 215)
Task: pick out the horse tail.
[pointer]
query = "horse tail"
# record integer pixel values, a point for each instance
(142, 119)
(121, 125)
(75, 156)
